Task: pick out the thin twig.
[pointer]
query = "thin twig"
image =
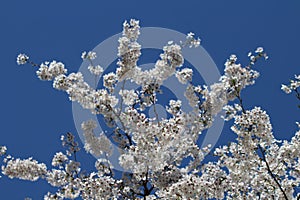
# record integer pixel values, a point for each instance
(270, 172)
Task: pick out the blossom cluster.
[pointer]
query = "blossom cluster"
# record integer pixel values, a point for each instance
(161, 157)
(22, 59)
(95, 145)
(293, 86)
(27, 169)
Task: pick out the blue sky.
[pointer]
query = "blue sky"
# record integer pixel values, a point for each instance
(34, 115)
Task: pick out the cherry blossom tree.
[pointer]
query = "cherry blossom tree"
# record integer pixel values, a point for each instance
(152, 150)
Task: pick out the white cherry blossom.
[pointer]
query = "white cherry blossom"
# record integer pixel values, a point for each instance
(161, 157)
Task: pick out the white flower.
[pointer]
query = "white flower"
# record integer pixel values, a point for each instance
(90, 55)
(230, 112)
(109, 81)
(27, 169)
(173, 55)
(2, 150)
(254, 123)
(131, 30)
(191, 96)
(190, 35)
(57, 68)
(57, 178)
(233, 58)
(253, 59)
(48, 71)
(72, 166)
(185, 75)
(22, 59)
(95, 145)
(174, 107)
(129, 97)
(60, 82)
(286, 89)
(103, 166)
(88, 125)
(259, 50)
(191, 41)
(95, 70)
(59, 159)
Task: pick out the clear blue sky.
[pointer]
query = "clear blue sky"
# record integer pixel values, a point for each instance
(34, 115)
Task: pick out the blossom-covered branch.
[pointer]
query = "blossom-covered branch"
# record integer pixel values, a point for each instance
(153, 151)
